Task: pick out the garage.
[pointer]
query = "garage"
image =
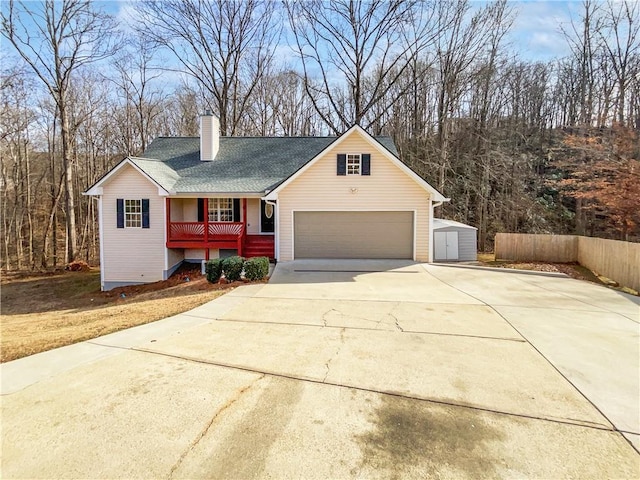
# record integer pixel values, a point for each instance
(361, 234)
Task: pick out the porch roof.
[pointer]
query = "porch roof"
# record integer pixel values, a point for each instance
(243, 164)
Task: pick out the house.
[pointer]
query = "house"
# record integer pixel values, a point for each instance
(190, 199)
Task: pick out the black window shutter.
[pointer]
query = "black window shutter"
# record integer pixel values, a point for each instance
(236, 209)
(145, 213)
(120, 212)
(342, 164)
(366, 164)
(200, 210)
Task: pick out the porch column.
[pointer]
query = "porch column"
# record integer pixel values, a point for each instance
(244, 214)
(168, 220)
(243, 237)
(206, 227)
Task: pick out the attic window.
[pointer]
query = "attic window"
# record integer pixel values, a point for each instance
(353, 164)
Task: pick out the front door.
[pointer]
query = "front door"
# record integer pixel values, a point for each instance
(267, 217)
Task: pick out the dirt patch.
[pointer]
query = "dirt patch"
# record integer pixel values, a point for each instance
(573, 270)
(48, 310)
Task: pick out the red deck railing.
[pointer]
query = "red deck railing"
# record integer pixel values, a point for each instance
(195, 231)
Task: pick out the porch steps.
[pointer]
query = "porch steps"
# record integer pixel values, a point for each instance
(259, 246)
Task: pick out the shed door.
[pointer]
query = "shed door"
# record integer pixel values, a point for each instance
(446, 245)
(353, 235)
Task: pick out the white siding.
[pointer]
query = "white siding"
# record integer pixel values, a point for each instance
(133, 255)
(253, 216)
(177, 210)
(387, 188)
(190, 209)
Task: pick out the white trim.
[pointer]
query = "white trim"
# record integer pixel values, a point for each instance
(277, 232)
(433, 204)
(414, 210)
(96, 188)
(217, 211)
(431, 239)
(218, 195)
(346, 165)
(415, 233)
(101, 232)
(435, 195)
(164, 234)
(124, 210)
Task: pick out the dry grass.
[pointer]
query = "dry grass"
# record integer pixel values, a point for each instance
(42, 312)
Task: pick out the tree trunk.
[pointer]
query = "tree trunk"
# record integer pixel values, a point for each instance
(67, 158)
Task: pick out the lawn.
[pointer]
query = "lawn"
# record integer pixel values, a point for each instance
(45, 311)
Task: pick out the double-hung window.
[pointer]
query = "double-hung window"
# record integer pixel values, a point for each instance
(133, 213)
(353, 164)
(221, 210)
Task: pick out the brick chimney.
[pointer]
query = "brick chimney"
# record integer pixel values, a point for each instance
(209, 136)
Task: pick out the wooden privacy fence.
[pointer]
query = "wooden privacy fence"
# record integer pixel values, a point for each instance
(619, 261)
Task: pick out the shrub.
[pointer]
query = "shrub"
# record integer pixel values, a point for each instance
(213, 270)
(256, 268)
(232, 268)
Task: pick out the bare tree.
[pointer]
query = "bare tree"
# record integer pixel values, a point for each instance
(56, 39)
(580, 37)
(138, 87)
(225, 45)
(620, 37)
(345, 44)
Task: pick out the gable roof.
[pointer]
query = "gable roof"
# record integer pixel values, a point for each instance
(439, 223)
(163, 177)
(243, 165)
(391, 154)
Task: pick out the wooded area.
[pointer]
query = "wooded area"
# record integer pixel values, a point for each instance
(518, 145)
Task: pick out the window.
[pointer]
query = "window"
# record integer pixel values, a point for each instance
(221, 210)
(133, 213)
(353, 164)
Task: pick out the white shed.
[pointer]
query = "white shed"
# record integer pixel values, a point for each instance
(454, 241)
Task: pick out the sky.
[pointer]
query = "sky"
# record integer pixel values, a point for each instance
(535, 34)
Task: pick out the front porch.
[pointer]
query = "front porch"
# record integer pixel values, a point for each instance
(242, 234)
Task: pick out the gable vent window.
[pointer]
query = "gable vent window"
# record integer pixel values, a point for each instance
(132, 213)
(354, 164)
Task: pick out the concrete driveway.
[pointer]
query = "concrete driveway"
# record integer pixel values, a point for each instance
(340, 369)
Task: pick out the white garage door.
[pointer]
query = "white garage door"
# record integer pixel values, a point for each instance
(353, 235)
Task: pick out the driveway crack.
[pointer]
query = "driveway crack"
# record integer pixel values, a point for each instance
(327, 364)
(397, 322)
(209, 424)
(324, 316)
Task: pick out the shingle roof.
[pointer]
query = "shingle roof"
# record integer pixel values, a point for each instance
(242, 165)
